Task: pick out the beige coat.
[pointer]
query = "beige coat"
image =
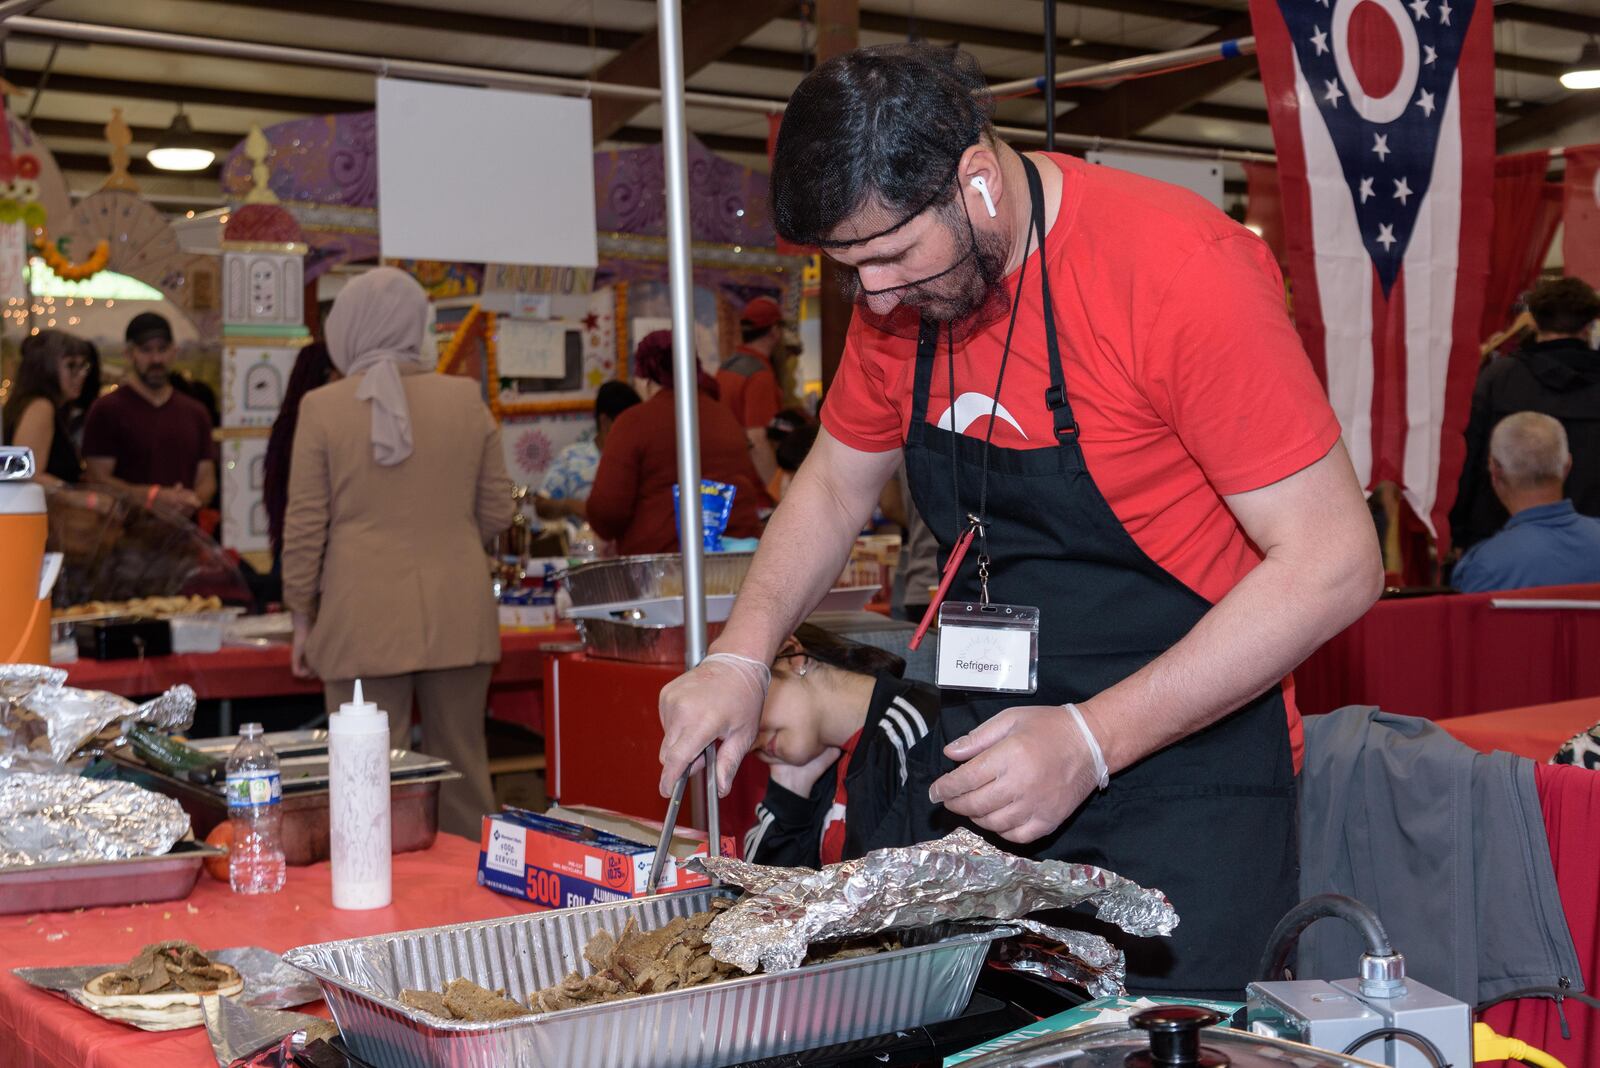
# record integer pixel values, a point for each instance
(389, 562)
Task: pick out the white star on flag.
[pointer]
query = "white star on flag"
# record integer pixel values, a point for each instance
(1366, 189)
(1334, 92)
(1419, 9)
(1386, 236)
(1380, 145)
(1402, 190)
(1444, 13)
(1425, 102)
(1319, 40)
(1429, 54)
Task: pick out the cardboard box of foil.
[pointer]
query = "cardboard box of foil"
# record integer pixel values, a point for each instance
(1099, 1011)
(580, 856)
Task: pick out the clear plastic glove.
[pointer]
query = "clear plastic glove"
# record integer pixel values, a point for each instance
(720, 700)
(1022, 773)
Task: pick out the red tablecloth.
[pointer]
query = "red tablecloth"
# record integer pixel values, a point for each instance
(1535, 732)
(515, 694)
(40, 1030)
(1455, 655)
(1569, 799)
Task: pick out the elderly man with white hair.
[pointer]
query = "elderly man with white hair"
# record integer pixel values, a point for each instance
(1546, 542)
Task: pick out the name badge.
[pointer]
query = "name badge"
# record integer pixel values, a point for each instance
(992, 647)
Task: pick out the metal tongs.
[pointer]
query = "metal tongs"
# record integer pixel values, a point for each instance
(670, 824)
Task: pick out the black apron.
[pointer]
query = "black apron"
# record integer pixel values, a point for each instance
(1209, 820)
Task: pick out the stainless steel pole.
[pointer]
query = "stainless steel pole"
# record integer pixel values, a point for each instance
(1123, 68)
(685, 367)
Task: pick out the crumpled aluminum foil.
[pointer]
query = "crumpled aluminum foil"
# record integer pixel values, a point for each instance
(49, 819)
(32, 696)
(958, 877)
(246, 1037)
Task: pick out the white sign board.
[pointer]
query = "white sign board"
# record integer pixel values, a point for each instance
(528, 348)
(484, 175)
(1197, 175)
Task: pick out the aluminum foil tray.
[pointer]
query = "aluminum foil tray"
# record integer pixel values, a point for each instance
(724, 1023)
(636, 642)
(644, 578)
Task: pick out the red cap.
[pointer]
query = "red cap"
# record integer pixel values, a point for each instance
(762, 312)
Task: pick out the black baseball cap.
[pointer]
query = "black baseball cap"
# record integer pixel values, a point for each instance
(147, 326)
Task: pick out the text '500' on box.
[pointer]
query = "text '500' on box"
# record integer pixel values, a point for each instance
(582, 856)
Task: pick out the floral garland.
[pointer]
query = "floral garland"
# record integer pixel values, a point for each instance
(491, 369)
(452, 351)
(66, 269)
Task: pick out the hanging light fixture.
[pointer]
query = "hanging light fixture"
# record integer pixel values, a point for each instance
(180, 148)
(1584, 74)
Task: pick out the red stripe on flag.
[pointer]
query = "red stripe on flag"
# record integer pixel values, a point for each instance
(1388, 381)
(1275, 54)
(1475, 80)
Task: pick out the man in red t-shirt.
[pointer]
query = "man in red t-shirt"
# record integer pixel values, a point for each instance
(1107, 418)
(748, 380)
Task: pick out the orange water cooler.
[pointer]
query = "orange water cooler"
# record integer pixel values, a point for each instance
(24, 523)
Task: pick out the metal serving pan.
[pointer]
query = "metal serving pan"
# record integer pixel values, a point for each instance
(721, 1024)
(85, 884)
(640, 643)
(644, 578)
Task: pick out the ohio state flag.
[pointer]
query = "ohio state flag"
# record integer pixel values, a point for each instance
(1383, 117)
(1580, 214)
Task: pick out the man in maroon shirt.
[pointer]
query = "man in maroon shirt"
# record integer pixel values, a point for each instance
(748, 379)
(145, 437)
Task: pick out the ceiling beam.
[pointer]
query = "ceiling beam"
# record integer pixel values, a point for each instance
(219, 142)
(139, 168)
(1176, 10)
(1537, 122)
(711, 28)
(1124, 110)
(127, 89)
(1544, 16)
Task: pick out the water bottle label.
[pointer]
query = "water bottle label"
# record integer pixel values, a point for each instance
(254, 789)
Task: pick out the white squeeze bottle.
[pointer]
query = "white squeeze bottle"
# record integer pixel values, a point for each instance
(358, 783)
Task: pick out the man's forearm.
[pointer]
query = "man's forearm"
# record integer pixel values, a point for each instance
(1257, 634)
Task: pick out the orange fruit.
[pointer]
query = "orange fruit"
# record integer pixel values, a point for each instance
(221, 836)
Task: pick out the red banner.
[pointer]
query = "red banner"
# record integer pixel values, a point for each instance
(1580, 216)
(1383, 118)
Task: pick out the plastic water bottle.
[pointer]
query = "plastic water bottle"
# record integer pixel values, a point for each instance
(255, 796)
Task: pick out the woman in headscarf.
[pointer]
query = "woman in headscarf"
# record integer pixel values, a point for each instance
(631, 501)
(396, 483)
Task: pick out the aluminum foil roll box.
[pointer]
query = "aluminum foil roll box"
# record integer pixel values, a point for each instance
(581, 856)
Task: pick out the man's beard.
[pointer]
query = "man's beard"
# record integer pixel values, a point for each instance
(972, 293)
(963, 293)
(155, 377)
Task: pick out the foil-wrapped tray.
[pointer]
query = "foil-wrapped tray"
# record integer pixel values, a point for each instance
(724, 1023)
(643, 578)
(86, 884)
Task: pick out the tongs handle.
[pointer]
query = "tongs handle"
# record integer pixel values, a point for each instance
(670, 824)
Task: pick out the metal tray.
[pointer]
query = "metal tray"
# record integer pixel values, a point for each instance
(413, 810)
(303, 759)
(644, 578)
(721, 1024)
(637, 642)
(92, 883)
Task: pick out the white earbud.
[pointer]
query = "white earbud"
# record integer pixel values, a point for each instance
(983, 191)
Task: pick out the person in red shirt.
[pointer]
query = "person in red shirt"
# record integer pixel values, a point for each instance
(631, 501)
(748, 379)
(1106, 415)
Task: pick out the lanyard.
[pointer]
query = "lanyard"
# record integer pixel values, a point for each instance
(978, 522)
